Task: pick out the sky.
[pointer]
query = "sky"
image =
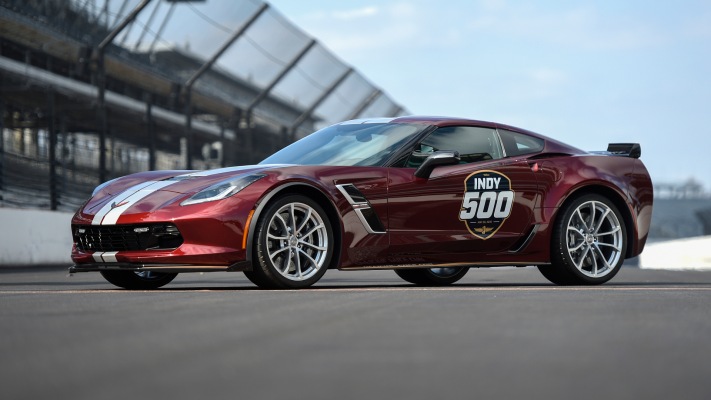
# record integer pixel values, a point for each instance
(586, 73)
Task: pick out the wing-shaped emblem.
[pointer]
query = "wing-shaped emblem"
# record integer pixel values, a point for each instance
(483, 230)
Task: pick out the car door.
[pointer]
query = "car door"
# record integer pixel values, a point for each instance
(480, 206)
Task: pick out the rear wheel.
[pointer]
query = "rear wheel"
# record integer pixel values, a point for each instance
(294, 244)
(138, 280)
(589, 243)
(432, 276)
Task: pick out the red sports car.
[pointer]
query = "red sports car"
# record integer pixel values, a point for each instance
(429, 197)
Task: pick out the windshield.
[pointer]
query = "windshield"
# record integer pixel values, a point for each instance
(347, 144)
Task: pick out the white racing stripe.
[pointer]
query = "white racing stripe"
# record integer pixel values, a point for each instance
(99, 216)
(105, 256)
(110, 257)
(113, 215)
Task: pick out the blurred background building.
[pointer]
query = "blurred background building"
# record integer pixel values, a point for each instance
(680, 211)
(95, 89)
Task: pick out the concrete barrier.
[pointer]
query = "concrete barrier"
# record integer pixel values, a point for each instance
(32, 237)
(682, 254)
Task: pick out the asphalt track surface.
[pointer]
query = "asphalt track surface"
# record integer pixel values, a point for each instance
(499, 334)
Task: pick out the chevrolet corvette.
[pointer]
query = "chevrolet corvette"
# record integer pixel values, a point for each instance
(429, 197)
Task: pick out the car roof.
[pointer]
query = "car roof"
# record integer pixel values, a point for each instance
(440, 120)
(552, 145)
(449, 121)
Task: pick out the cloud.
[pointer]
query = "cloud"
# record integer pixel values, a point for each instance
(583, 27)
(331, 16)
(357, 13)
(364, 29)
(361, 32)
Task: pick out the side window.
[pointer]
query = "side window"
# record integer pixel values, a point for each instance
(517, 144)
(473, 144)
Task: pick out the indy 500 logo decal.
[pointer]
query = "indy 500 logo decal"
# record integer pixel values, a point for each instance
(487, 202)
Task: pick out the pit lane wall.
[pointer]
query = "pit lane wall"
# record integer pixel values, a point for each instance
(34, 237)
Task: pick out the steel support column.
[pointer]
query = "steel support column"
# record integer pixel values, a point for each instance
(52, 136)
(148, 23)
(161, 28)
(188, 129)
(222, 144)
(303, 117)
(394, 111)
(102, 117)
(100, 81)
(151, 131)
(62, 187)
(365, 104)
(239, 144)
(189, 83)
(188, 86)
(265, 92)
(2, 145)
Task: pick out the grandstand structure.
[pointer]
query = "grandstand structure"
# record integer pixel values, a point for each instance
(95, 89)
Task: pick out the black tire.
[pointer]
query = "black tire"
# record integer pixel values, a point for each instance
(135, 280)
(588, 243)
(432, 276)
(556, 275)
(291, 254)
(258, 279)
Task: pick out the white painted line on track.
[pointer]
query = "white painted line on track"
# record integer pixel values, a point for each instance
(370, 289)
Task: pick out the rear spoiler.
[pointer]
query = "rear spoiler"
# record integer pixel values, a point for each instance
(633, 150)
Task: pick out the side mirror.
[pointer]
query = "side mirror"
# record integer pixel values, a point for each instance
(446, 157)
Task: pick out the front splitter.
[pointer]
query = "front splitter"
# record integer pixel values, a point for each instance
(168, 268)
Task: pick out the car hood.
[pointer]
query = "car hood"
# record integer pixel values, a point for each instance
(147, 192)
(181, 181)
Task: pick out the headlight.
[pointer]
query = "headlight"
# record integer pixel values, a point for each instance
(222, 190)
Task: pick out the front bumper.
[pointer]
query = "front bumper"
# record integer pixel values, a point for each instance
(167, 268)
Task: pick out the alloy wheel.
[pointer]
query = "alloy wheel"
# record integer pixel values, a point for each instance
(594, 239)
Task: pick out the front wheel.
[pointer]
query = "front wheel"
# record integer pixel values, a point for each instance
(432, 276)
(589, 243)
(294, 244)
(138, 280)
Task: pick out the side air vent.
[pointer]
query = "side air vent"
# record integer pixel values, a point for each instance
(362, 208)
(372, 219)
(354, 195)
(524, 242)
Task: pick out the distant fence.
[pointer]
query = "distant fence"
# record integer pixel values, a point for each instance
(27, 179)
(92, 90)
